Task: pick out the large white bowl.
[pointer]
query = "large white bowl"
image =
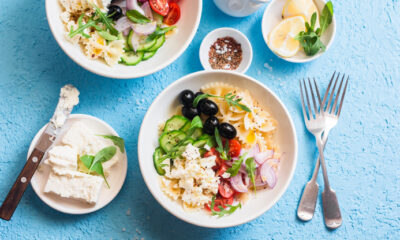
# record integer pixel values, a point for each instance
(169, 52)
(163, 107)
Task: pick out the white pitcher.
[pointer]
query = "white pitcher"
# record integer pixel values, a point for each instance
(239, 8)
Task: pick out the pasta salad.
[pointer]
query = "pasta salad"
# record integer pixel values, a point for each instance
(217, 149)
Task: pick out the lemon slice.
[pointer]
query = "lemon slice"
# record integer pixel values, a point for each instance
(300, 7)
(281, 39)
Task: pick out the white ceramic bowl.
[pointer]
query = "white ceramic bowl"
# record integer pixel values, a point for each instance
(165, 105)
(115, 179)
(173, 47)
(208, 41)
(273, 16)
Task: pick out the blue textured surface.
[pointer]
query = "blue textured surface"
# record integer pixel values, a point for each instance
(362, 153)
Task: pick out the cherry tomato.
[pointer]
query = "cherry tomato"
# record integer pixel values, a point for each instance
(159, 6)
(222, 169)
(219, 202)
(234, 148)
(225, 189)
(218, 160)
(173, 15)
(173, 1)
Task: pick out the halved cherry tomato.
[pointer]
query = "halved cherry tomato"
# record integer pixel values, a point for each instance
(173, 15)
(173, 1)
(234, 148)
(160, 6)
(219, 202)
(225, 189)
(222, 169)
(218, 160)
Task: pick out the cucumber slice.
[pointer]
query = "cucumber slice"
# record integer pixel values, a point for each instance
(157, 155)
(175, 123)
(170, 139)
(127, 46)
(132, 58)
(159, 42)
(145, 46)
(182, 148)
(130, 39)
(200, 143)
(148, 55)
(186, 127)
(210, 141)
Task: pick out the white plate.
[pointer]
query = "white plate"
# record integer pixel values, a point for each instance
(273, 16)
(208, 41)
(173, 47)
(116, 178)
(165, 105)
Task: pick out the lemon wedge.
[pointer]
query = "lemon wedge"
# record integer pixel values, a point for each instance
(300, 7)
(281, 39)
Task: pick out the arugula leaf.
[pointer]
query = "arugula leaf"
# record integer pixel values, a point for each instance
(220, 147)
(251, 169)
(107, 36)
(222, 212)
(103, 155)
(81, 27)
(119, 142)
(104, 19)
(326, 17)
(87, 160)
(201, 97)
(136, 17)
(230, 98)
(234, 169)
(158, 32)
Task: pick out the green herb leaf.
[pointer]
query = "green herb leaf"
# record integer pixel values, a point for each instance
(158, 32)
(88, 160)
(222, 212)
(326, 17)
(107, 36)
(104, 155)
(201, 97)
(220, 147)
(119, 142)
(251, 169)
(234, 169)
(233, 100)
(196, 123)
(107, 21)
(313, 21)
(136, 17)
(81, 27)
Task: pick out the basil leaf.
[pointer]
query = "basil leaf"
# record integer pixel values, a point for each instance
(326, 17)
(119, 142)
(234, 169)
(196, 123)
(313, 21)
(107, 36)
(158, 32)
(251, 169)
(87, 160)
(104, 155)
(136, 17)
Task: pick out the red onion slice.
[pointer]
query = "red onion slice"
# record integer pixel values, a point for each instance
(144, 29)
(119, 3)
(133, 5)
(147, 10)
(267, 175)
(122, 24)
(253, 151)
(135, 41)
(237, 183)
(263, 156)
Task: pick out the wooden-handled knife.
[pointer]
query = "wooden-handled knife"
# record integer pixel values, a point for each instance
(69, 97)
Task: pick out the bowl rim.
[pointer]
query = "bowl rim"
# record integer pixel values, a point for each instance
(42, 196)
(207, 66)
(134, 74)
(308, 59)
(248, 78)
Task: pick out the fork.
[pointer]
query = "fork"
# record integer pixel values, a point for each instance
(319, 124)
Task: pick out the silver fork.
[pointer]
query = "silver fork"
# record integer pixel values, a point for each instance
(320, 123)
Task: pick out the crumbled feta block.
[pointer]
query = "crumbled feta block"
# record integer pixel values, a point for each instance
(62, 156)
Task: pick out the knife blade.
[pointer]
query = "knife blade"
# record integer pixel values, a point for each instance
(69, 97)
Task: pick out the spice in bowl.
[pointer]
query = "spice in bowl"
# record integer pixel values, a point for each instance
(225, 53)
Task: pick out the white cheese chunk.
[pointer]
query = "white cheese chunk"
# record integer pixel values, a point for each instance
(73, 184)
(62, 156)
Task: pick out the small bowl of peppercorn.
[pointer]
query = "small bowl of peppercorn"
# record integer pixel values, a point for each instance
(226, 49)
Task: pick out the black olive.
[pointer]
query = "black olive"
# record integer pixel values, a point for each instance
(208, 107)
(226, 130)
(198, 94)
(115, 12)
(189, 112)
(210, 124)
(186, 97)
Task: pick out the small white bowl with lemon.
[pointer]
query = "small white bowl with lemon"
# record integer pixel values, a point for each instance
(283, 20)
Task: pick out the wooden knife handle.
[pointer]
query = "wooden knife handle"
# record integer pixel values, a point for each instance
(14, 196)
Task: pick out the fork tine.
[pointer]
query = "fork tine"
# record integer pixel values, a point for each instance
(328, 106)
(333, 110)
(308, 99)
(327, 91)
(319, 97)
(302, 102)
(313, 97)
(341, 100)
